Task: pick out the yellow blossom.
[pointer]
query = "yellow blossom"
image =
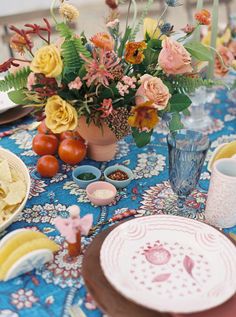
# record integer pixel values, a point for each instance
(60, 115)
(144, 116)
(151, 29)
(47, 60)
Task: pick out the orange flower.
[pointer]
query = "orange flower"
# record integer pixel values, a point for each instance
(134, 52)
(203, 17)
(143, 116)
(18, 43)
(103, 40)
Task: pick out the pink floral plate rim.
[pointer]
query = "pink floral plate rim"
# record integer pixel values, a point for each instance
(170, 264)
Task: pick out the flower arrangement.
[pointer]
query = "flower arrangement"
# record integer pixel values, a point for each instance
(111, 75)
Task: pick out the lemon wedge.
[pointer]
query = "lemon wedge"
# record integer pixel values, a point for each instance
(15, 240)
(23, 250)
(26, 248)
(226, 150)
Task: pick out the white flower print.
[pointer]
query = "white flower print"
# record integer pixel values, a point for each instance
(23, 299)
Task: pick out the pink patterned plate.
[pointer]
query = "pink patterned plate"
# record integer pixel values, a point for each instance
(170, 263)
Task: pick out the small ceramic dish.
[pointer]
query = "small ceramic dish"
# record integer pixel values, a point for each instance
(118, 184)
(85, 169)
(102, 187)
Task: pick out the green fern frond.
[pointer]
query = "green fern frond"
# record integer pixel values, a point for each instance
(81, 49)
(140, 22)
(64, 30)
(71, 53)
(16, 81)
(72, 48)
(71, 57)
(188, 85)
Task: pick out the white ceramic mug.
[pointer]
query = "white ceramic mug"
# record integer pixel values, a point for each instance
(221, 201)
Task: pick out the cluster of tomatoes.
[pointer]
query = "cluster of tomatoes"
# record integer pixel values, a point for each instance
(69, 146)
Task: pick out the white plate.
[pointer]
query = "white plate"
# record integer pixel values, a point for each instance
(170, 263)
(5, 102)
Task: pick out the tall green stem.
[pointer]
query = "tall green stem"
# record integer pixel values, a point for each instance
(159, 20)
(214, 30)
(52, 11)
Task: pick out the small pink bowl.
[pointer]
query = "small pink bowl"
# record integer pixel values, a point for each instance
(100, 185)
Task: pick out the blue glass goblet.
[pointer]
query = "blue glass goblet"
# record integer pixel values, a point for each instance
(187, 153)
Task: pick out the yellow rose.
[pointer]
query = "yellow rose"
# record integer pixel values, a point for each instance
(47, 61)
(60, 115)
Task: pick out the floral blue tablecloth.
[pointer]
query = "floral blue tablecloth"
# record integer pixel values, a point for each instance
(51, 290)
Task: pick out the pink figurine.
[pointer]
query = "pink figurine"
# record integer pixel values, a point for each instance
(73, 227)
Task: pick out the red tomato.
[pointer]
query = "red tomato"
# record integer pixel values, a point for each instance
(72, 151)
(70, 135)
(44, 144)
(42, 128)
(47, 166)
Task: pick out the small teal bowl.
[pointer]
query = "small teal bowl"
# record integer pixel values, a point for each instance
(118, 184)
(85, 169)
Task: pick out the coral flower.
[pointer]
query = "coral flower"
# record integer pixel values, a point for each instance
(134, 52)
(19, 43)
(106, 108)
(144, 116)
(203, 17)
(99, 68)
(103, 40)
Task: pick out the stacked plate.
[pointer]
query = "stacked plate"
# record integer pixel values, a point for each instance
(170, 264)
(5, 103)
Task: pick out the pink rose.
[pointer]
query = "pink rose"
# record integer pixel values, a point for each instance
(174, 58)
(31, 80)
(153, 89)
(223, 64)
(76, 84)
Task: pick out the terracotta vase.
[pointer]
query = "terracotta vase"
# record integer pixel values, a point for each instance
(101, 142)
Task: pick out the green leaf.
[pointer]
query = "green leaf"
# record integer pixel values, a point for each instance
(199, 51)
(141, 138)
(123, 41)
(152, 52)
(175, 123)
(179, 102)
(18, 97)
(186, 112)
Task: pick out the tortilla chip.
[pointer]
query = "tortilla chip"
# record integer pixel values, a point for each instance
(3, 190)
(5, 172)
(16, 193)
(2, 205)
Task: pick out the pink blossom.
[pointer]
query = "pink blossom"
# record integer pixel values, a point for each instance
(123, 89)
(174, 59)
(130, 81)
(31, 80)
(188, 29)
(153, 88)
(76, 84)
(113, 24)
(99, 67)
(106, 108)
